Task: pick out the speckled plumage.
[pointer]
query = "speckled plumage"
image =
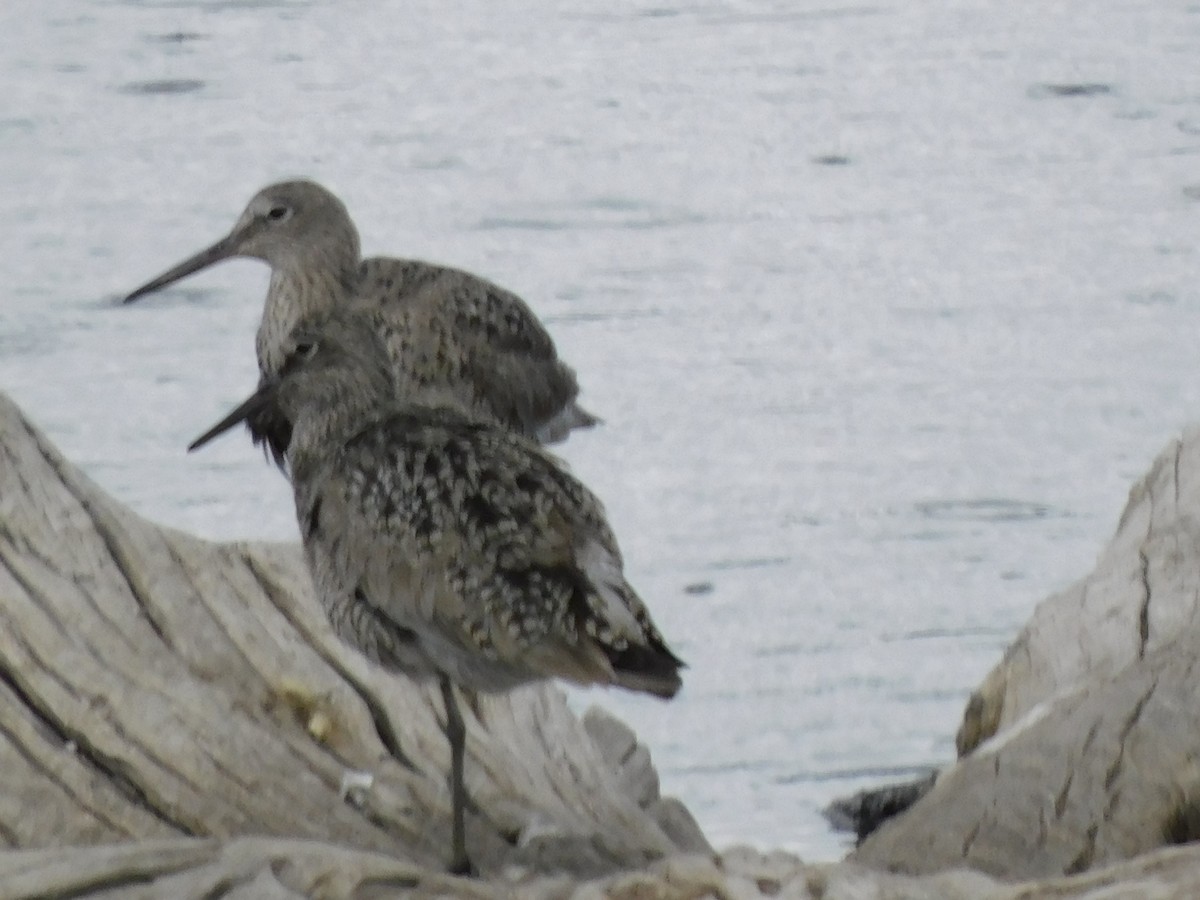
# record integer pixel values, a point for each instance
(452, 528)
(469, 536)
(443, 328)
(443, 544)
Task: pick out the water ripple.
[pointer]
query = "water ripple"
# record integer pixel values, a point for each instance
(1082, 89)
(987, 509)
(175, 37)
(858, 773)
(162, 86)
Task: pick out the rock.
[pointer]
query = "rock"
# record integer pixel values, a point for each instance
(1144, 591)
(625, 756)
(1081, 747)
(865, 811)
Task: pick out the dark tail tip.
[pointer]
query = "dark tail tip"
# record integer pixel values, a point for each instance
(587, 419)
(650, 669)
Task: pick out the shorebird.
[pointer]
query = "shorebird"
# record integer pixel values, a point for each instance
(443, 327)
(444, 545)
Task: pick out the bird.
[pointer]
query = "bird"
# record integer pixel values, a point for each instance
(445, 546)
(444, 328)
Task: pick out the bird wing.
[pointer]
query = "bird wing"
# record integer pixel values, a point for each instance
(459, 328)
(480, 542)
(335, 538)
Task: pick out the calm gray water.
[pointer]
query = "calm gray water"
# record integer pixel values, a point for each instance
(884, 316)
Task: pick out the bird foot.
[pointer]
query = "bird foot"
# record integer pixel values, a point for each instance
(462, 867)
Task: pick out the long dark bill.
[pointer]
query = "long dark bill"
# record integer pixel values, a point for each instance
(222, 249)
(253, 404)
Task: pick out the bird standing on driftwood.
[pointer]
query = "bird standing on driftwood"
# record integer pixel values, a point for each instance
(444, 545)
(443, 328)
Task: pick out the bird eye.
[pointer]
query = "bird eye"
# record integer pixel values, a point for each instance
(278, 213)
(303, 350)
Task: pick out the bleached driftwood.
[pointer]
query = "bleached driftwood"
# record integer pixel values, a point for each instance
(177, 720)
(1082, 747)
(154, 685)
(1143, 595)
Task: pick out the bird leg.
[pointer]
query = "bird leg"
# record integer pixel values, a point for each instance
(456, 733)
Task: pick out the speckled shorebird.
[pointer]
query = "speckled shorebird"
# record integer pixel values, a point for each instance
(442, 327)
(444, 545)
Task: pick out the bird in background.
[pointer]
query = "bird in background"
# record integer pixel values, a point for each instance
(443, 328)
(444, 545)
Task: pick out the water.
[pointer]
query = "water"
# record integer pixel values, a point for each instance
(885, 306)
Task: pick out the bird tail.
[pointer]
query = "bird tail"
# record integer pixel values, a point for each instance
(563, 422)
(649, 669)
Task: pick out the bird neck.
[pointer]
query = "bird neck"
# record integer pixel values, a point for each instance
(325, 416)
(304, 287)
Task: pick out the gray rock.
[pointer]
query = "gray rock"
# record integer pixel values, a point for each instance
(1081, 747)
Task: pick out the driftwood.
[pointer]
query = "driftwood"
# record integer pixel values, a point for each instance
(154, 685)
(1082, 747)
(177, 720)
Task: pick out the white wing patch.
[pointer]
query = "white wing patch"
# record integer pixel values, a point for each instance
(603, 570)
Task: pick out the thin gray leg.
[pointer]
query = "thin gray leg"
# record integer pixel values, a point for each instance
(456, 733)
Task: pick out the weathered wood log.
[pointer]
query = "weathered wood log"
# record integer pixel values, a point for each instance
(1142, 595)
(177, 720)
(862, 813)
(1081, 748)
(256, 868)
(153, 685)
